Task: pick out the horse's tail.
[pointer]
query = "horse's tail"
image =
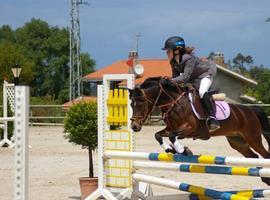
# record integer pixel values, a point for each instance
(264, 122)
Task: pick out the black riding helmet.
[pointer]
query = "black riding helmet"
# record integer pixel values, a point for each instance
(174, 43)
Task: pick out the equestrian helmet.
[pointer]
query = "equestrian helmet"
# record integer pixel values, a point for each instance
(174, 43)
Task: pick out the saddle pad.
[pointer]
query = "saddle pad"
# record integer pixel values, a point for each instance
(222, 109)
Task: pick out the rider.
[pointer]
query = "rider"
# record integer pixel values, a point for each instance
(188, 68)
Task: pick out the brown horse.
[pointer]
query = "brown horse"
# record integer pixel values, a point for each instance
(243, 129)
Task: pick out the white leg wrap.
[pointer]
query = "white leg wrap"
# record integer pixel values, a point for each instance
(179, 148)
(165, 146)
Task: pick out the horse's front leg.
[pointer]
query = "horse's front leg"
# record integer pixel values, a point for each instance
(159, 137)
(174, 137)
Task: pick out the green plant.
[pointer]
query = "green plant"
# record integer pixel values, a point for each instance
(80, 127)
(10, 123)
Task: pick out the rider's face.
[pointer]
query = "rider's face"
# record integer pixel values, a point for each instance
(170, 53)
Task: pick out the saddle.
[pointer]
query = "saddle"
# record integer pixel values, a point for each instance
(220, 107)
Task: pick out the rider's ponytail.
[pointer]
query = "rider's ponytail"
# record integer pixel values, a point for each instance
(189, 50)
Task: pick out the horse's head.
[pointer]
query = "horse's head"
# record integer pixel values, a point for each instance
(144, 98)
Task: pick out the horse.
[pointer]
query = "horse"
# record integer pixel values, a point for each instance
(243, 128)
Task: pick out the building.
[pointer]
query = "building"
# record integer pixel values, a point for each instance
(229, 82)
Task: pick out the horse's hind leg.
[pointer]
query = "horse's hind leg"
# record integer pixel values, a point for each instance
(256, 144)
(254, 140)
(239, 144)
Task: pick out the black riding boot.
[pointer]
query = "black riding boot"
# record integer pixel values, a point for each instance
(211, 122)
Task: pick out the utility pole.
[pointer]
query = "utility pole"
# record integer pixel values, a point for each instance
(75, 68)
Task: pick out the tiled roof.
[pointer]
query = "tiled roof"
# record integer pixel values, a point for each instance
(152, 68)
(75, 101)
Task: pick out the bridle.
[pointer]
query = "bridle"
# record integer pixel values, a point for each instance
(147, 113)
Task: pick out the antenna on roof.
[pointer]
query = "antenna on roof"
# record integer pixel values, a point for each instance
(137, 42)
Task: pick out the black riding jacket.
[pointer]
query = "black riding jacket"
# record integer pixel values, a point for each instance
(192, 69)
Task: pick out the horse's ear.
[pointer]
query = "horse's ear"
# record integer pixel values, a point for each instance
(138, 91)
(131, 92)
(134, 92)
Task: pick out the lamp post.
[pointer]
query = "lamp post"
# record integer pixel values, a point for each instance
(16, 70)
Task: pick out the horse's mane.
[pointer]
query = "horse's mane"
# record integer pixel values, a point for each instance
(150, 82)
(155, 81)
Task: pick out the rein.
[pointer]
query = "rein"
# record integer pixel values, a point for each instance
(172, 103)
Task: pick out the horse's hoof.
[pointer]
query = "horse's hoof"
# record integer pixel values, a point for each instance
(266, 180)
(170, 151)
(187, 152)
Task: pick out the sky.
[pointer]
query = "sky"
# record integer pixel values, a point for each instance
(109, 27)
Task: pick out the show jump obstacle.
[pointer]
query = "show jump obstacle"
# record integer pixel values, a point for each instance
(21, 122)
(115, 134)
(118, 161)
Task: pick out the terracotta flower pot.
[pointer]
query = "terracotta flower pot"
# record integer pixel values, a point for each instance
(88, 186)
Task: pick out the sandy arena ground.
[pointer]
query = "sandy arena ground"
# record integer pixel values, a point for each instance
(56, 165)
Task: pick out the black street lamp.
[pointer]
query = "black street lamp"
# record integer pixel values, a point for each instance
(16, 70)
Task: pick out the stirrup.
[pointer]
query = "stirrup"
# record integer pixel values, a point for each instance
(212, 126)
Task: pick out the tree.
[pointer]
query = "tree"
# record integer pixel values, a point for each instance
(81, 128)
(263, 87)
(46, 49)
(211, 56)
(11, 54)
(6, 34)
(229, 64)
(241, 62)
(261, 91)
(255, 72)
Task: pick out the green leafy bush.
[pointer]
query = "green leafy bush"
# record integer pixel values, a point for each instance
(10, 123)
(80, 127)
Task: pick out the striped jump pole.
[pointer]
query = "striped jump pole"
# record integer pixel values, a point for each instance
(184, 196)
(202, 159)
(189, 188)
(260, 193)
(246, 193)
(242, 171)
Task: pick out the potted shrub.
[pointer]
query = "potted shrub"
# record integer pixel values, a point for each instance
(80, 127)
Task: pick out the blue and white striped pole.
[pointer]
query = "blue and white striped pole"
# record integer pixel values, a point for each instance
(188, 188)
(202, 159)
(207, 169)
